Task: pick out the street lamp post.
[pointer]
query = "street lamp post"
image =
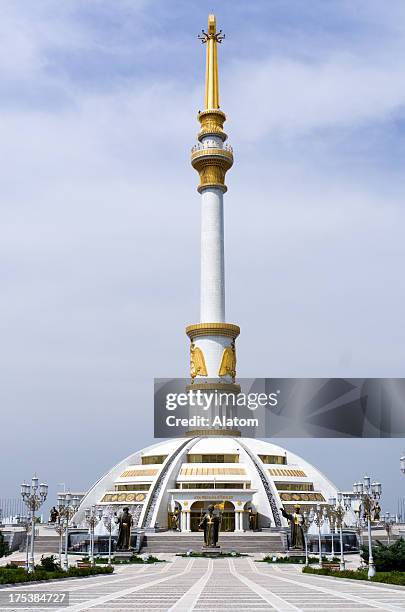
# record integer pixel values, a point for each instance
(305, 526)
(60, 530)
(109, 521)
(25, 522)
(402, 463)
(332, 523)
(91, 520)
(340, 511)
(34, 496)
(368, 493)
(318, 518)
(67, 506)
(388, 522)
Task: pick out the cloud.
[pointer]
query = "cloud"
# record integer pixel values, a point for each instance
(100, 217)
(293, 98)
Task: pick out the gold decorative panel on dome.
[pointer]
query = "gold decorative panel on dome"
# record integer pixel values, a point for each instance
(286, 472)
(273, 459)
(153, 459)
(212, 458)
(315, 497)
(209, 485)
(212, 471)
(123, 497)
(139, 472)
(294, 486)
(134, 486)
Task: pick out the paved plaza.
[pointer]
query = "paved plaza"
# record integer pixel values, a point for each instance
(205, 585)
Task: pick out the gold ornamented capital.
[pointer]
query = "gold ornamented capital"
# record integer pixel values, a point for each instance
(229, 330)
(211, 164)
(212, 123)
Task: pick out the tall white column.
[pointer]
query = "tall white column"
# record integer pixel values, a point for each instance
(212, 308)
(238, 521)
(212, 348)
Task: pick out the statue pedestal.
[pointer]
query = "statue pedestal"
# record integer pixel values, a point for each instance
(123, 555)
(211, 551)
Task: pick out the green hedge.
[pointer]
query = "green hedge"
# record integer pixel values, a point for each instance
(385, 577)
(204, 555)
(387, 558)
(296, 559)
(134, 559)
(11, 575)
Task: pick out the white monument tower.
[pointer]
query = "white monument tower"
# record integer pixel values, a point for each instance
(242, 476)
(212, 349)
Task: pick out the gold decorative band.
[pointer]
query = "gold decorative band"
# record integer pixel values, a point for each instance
(234, 433)
(215, 386)
(219, 186)
(212, 122)
(228, 330)
(211, 164)
(197, 154)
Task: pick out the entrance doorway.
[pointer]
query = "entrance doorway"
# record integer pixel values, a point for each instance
(225, 509)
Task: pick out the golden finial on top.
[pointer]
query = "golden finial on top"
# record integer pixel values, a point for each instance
(212, 37)
(211, 159)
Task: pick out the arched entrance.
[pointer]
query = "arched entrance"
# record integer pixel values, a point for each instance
(225, 509)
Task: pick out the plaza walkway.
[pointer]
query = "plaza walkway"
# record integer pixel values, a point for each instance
(205, 585)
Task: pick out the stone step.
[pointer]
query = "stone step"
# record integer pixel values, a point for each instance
(47, 544)
(266, 543)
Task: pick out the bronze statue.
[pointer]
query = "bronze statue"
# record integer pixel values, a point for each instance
(210, 524)
(53, 515)
(176, 520)
(124, 530)
(376, 512)
(252, 519)
(297, 541)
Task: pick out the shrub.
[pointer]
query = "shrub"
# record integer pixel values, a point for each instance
(49, 564)
(387, 558)
(297, 559)
(11, 576)
(382, 577)
(88, 571)
(146, 558)
(4, 549)
(204, 555)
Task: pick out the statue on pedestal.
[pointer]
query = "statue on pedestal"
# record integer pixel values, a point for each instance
(296, 519)
(53, 515)
(124, 530)
(210, 524)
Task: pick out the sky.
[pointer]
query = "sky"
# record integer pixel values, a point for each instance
(99, 250)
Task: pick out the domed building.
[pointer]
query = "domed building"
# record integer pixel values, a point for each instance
(244, 477)
(247, 479)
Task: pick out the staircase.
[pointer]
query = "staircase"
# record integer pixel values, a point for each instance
(172, 542)
(47, 544)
